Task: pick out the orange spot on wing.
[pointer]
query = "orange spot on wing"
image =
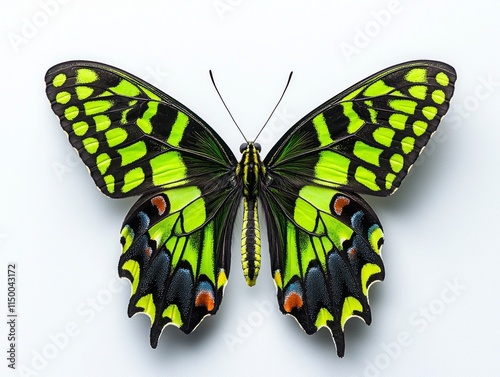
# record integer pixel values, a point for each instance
(292, 300)
(160, 204)
(206, 299)
(340, 203)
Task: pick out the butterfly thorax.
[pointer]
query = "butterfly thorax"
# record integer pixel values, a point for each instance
(251, 170)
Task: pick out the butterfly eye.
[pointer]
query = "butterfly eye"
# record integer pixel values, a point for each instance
(258, 147)
(243, 147)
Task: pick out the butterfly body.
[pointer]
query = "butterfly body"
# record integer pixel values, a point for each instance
(324, 239)
(252, 171)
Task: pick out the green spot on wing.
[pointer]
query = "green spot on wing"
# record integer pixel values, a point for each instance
(80, 128)
(389, 180)
(438, 96)
(353, 94)
(384, 136)
(207, 261)
(133, 152)
(378, 88)
(83, 92)
(351, 305)
(133, 267)
(182, 196)
(71, 112)
(191, 252)
(150, 94)
(109, 180)
(173, 312)
(128, 236)
(442, 79)
(375, 234)
(86, 76)
(398, 121)
(367, 153)
(403, 105)
(320, 196)
(126, 88)
(324, 316)
(417, 75)
(63, 97)
(407, 144)
(430, 112)
(367, 178)
(59, 80)
(367, 271)
(132, 179)
(103, 161)
(418, 91)
(91, 144)
(96, 107)
(419, 127)
(148, 305)
(396, 162)
(102, 122)
(115, 136)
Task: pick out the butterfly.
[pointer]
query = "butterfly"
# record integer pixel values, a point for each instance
(324, 239)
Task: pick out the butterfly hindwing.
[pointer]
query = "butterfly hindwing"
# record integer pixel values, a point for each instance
(132, 137)
(326, 257)
(366, 138)
(176, 253)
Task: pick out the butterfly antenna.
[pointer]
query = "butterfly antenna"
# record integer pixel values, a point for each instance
(275, 107)
(224, 103)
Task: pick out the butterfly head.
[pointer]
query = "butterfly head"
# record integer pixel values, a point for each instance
(249, 146)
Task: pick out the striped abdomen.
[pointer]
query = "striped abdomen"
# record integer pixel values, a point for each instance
(250, 241)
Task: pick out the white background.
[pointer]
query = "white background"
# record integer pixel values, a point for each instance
(435, 314)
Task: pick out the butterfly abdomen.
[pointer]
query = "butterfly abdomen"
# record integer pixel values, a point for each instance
(250, 241)
(250, 169)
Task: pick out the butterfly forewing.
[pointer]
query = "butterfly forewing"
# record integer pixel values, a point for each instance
(366, 138)
(132, 137)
